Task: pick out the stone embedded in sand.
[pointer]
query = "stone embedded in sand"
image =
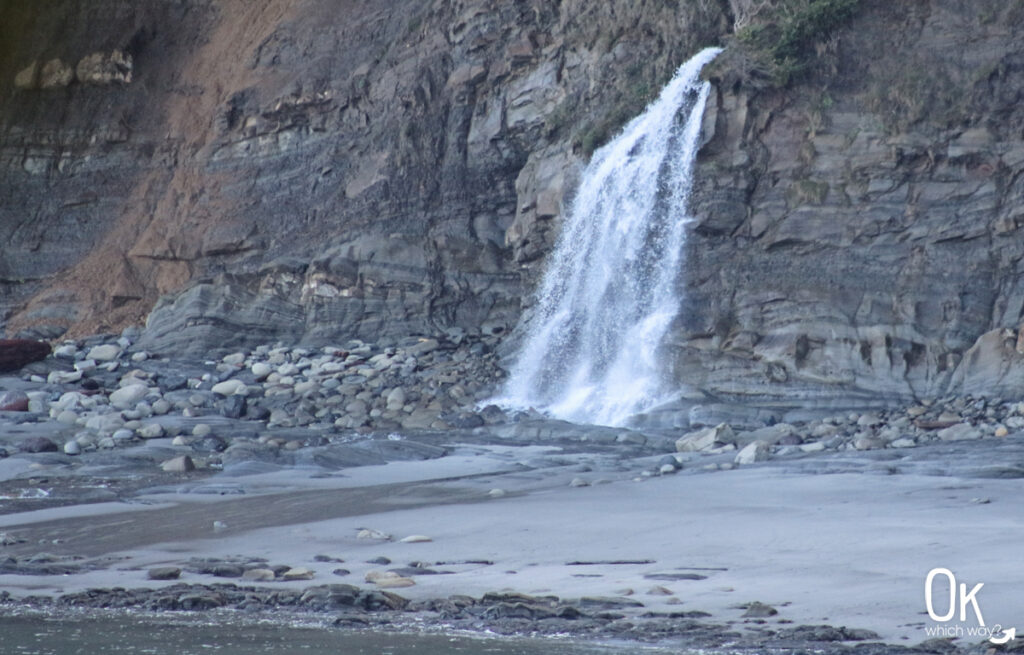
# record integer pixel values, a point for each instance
(16, 353)
(259, 575)
(395, 583)
(388, 579)
(705, 439)
(297, 573)
(164, 573)
(759, 610)
(13, 401)
(756, 451)
(181, 464)
(368, 533)
(496, 493)
(1001, 431)
(415, 539)
(579, 482)
(72, 448)
(658, 590)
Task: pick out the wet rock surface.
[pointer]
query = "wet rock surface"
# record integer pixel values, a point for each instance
(349, 607)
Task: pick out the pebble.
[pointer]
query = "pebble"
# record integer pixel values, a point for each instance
(415, 539)
(368, 533)
(68, 417)
(234, 359)
(388, 579)
(756, 451)
(201, 430)
(759, 610)
(37, 444)
(579, 482)
(72, 448)
(229, 388)
(259, 575)
(150, 431)
(67, 351)
(298, 573)
(496, 493)
(260, 371)
(959, 432)
(181, 464)
(164, 573)
(395, 583)
(104, 352)
(126, 397)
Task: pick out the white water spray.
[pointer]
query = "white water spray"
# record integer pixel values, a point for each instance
(609, 294)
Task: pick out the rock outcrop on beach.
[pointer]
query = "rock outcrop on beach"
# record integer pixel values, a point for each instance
(236, 173)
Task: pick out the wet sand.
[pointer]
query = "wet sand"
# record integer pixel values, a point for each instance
(840, 539)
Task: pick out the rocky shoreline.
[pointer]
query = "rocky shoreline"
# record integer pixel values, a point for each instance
(100, 422)
(102, 394)
(508, 614)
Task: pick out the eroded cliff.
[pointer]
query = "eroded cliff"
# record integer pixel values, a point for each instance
(308, 169)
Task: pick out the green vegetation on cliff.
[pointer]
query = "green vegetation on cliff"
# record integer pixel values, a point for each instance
(782, 40)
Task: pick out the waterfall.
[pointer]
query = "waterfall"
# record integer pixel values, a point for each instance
(609, 294)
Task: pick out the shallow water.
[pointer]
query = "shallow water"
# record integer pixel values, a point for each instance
(170, 635)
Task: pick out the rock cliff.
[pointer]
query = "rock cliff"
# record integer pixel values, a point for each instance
(303, 168)
(235, 172)
(858, 231)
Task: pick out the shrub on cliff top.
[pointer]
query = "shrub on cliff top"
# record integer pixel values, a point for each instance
(783, 38)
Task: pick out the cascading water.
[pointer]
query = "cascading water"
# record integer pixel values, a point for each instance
(609, 295)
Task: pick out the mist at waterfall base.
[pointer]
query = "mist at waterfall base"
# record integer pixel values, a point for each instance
(609, 294)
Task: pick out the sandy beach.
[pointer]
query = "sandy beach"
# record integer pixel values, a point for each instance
(840, 539)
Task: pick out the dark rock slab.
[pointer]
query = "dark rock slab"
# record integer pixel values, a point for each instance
(16, 353)
(37, 444)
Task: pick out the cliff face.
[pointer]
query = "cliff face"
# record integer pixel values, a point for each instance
(306, 168)
(311, 169)
(858, 233)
